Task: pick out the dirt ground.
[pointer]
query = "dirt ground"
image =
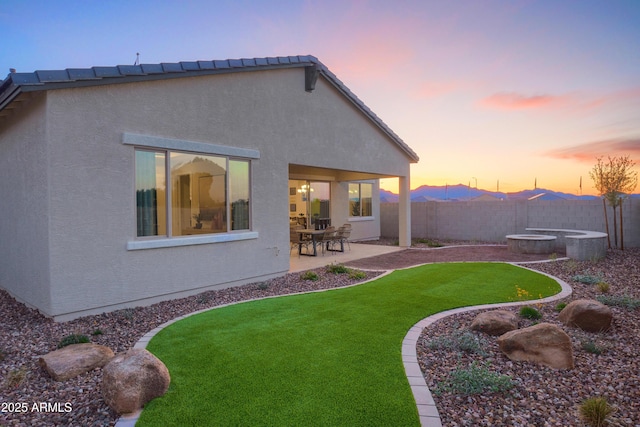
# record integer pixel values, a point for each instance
(416, 256)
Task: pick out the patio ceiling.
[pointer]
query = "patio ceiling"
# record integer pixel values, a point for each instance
(326, 174)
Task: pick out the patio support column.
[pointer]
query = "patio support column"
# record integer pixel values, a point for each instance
(404, 212)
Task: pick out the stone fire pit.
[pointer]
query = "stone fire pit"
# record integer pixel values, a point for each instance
(531, 243)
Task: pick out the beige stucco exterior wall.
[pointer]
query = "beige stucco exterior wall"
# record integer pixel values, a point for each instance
(24, 205)
(88, 187)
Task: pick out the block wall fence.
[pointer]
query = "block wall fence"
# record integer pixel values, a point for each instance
(491, 221)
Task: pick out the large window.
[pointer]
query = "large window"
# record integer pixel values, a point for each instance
(203, 194)
(360, 194)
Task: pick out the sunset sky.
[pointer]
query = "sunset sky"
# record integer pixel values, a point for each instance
(515, 92)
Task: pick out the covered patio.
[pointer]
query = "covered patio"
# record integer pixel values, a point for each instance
(358, 251)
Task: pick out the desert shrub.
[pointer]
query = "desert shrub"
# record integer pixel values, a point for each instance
(625, 301)
(475, 379)
(263, 286)
(595, 410)
(591, 347)
(461, 341)
(570, 266)
(17, 377)
(337, 269)
(560, 306)
(357, 274)
(429, 242)
(96, 332)
(603, 287)
(530, 313)
(73, 339)
(586, 279)
(310, 275)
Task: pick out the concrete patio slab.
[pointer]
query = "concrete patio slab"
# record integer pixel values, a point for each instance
(358, 251)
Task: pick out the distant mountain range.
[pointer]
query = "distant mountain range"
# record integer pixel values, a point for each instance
(462, 192)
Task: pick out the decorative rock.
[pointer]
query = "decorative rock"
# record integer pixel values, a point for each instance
(588, 315)
(543, 343)
(132, 379)
(75, 359)
(496, 322)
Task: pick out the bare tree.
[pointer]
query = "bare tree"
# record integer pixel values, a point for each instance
(614, 180)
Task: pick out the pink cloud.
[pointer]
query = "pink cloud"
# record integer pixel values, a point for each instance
(434, 89)
(588, 152)
(573, 102)
(515, 101)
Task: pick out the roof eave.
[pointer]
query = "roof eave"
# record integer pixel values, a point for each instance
(17, 83)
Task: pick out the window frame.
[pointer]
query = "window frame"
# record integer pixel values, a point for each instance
(166, 146)
(360, 217)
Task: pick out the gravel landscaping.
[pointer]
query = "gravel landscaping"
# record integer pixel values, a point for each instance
(25, 335)
(543, 396)
(540, 397)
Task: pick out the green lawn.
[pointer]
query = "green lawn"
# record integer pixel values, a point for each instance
(324, 359)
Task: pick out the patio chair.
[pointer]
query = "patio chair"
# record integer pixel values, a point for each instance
(326, 238)
(295, 241)
(341, 237)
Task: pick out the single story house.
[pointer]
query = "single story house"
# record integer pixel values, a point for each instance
(127, 185)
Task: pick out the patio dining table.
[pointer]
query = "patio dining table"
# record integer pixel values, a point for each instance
(314, 238)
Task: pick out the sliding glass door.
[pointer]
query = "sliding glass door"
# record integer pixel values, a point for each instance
(309, 201)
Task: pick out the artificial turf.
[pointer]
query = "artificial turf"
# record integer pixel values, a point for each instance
(323, 359)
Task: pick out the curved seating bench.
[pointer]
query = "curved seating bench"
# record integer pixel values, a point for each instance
(531, 243)
(581, 245)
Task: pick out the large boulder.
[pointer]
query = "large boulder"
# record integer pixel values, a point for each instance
(588, 315)
(132, 379)
(496, 322)
(75, 359)
(543, 343)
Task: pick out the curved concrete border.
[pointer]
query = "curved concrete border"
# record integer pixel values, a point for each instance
(427, 411)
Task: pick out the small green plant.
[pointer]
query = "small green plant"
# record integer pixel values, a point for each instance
(310, 275)
(17, 377)
(337, 269)
(586, 279)
(263, 286)
(603, 287)
(96, 332)
(625, 301)
(357, 274)
(460, 341)
(475, 379)
(595, 410)
(560, 306)
(430, 243)
(73, 339)
(591, 347)
(570, 265)
(530, 313)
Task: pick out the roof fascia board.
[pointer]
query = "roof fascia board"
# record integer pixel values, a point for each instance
(9, 96)
(114, 75)
(149, 77)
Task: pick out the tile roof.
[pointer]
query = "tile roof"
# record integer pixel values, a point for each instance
(17, 83)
